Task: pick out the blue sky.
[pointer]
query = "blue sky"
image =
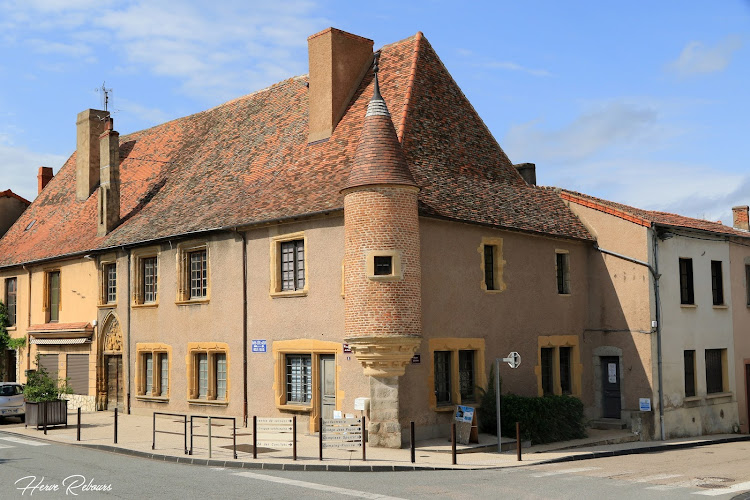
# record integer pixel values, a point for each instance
(641, 102)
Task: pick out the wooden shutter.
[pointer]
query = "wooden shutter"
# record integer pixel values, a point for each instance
(78, 373)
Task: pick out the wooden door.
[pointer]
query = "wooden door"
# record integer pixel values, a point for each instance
(114, 382)
(610, 387)
(327, 385)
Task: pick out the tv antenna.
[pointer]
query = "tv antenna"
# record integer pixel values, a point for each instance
(105, 95)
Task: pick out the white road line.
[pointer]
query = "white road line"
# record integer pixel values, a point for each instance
(735, 488)
(656, 477)
(3, 446)
(565, 471)
(315, 486)
(24, 441)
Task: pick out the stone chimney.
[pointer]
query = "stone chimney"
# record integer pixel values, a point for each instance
(338, 62)
(90, 124)
(43, 177)
(740, 218)
(109, 173)
(528, 172)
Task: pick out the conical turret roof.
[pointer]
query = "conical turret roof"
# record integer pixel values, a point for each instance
(379, 158)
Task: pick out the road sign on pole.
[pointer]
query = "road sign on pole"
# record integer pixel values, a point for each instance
(513, 359)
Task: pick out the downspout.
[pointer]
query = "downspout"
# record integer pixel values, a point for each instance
(244, 328)
(127, 330)
(655, 274)
(28, 322)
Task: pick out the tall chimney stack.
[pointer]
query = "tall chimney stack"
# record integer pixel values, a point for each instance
(109, 174)
(740, 219)
(43, 177)
(338, 62)
(528, 172)
(90, 124)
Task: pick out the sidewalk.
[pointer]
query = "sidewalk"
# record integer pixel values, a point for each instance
(135, 438)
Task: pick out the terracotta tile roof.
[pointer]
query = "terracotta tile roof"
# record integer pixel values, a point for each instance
(61, 327)
(248, 161)
(10, 194)
(647, 217)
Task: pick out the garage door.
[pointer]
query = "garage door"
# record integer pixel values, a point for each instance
(49, 363)
(78, 373)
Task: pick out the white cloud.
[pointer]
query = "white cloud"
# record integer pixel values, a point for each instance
(152, 116)
(698, 59)
(20, 166)
(511, 66)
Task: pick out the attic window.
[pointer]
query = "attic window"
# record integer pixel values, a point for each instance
(30, 224)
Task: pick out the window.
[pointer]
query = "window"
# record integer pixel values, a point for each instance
(208, 372)
(548, 370)
(565, 370)
(52, 296)
(559, 369)
(292, 265)
(457, 371)
(152, 370)
(717, 283)
(192, 272)
(747, 283)
(383, 265)
(489, 267)
(11, 295)
(689, 373)
(715, 376)
(299, 378)
(109, 283)
(563, 272)
(686, 282)
(442, 363)
(491, 253)
(289, 265)
(146, 277)
(149, 273)
(198, 274)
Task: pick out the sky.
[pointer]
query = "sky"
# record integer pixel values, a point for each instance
(641, 102)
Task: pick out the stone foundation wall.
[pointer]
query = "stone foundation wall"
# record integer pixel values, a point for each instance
(75, 401)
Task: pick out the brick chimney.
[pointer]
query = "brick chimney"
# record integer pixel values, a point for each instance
(90, 124)
(740, 218)
(43, 177)
(109, 174)
(528, 172)
(338, 62)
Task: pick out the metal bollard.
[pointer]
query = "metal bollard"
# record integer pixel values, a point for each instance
(209, 437)
(320, 438)
(518, 440)
(44, 418)
(78, 425)
(115, 425)
(294, 437)
(412, 444)
(255, 436)
(364, 448)
(453, 442)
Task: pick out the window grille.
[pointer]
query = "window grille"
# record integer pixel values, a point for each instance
(298, 378)
(442, 361)
(466, 375)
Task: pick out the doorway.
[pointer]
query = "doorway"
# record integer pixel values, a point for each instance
(10, 366)
(610, 387)
(113, 366)
(327, 385)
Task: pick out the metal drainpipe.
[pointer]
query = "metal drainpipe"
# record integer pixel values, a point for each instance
(127, 330)
(28, 323)
(244, 328)
(655, 274)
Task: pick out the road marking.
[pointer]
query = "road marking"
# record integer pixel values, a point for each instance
(656, 477)
(565, 471)
(315, 486)
(24, 441)
(3, 446)
(735, 488)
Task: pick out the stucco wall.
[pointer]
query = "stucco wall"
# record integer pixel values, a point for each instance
(739, 255)
(620, 310)
(695, 327)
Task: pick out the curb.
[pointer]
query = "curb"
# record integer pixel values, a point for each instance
(644, 449)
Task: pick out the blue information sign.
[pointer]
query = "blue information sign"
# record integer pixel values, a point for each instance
(259, 345)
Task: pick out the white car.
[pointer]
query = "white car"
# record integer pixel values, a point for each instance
(11, 400)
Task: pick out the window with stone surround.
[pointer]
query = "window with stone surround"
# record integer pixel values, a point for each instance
(559, 369)
(289, 265)
(146, 279)
(299, 379)
(208, 369)
(456, 371)
(384, 265)
(108, 283)
(52, 296)
(298, 372)
(192, 272)
(11, 299)
(152, 370)
(562, 270)
(492, 263)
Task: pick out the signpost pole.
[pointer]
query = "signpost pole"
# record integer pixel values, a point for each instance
(497, 404)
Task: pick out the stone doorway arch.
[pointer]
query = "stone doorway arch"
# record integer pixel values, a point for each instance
(109, 373)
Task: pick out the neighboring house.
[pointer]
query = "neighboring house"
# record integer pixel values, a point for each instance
(305, 245)
(739, 257)
(11, 208)
(678, 290)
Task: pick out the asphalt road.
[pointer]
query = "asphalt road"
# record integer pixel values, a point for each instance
(32, 468)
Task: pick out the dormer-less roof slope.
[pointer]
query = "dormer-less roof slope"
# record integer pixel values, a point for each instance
(648, 217)
(248, 161)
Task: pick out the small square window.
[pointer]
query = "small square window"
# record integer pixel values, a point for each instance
(383, 265)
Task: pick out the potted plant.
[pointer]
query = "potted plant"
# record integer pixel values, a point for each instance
(42, 395)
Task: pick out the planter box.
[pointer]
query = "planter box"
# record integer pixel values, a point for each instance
(55, 412)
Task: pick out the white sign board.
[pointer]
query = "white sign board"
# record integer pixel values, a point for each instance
(361, 403)
(612, 372)
(645, 404)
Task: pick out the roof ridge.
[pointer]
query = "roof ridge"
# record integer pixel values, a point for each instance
(410, 86)
(10, 194)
